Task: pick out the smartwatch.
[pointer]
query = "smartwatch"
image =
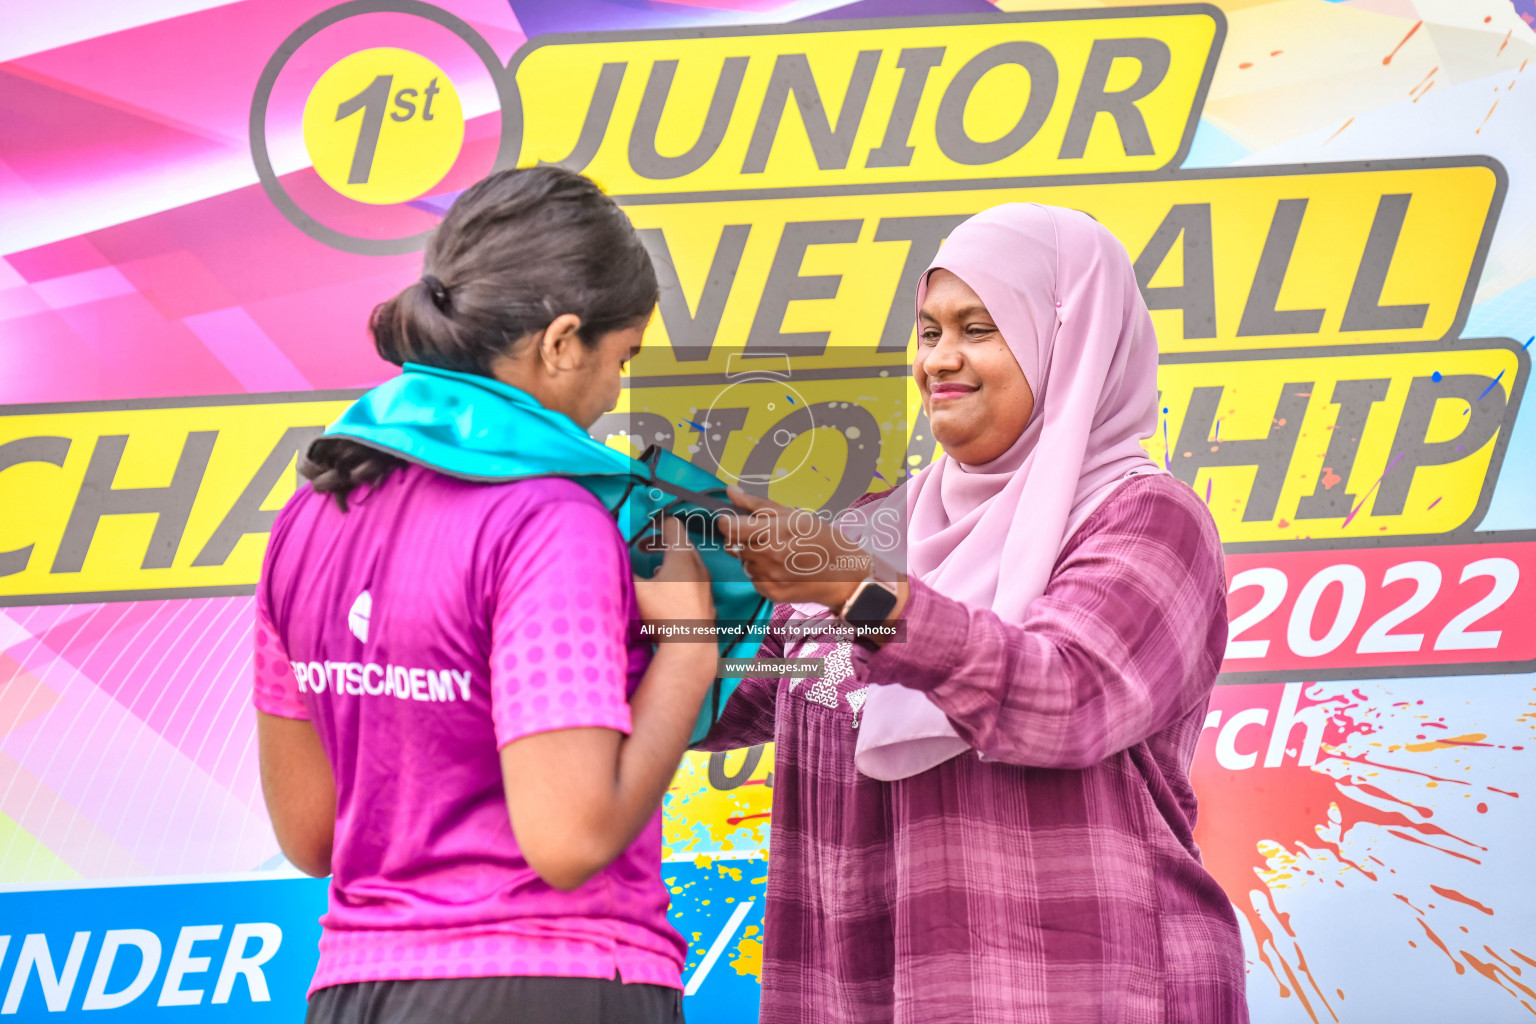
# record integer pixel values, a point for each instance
(870, 605)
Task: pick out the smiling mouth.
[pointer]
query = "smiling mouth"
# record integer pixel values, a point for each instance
(940, 392)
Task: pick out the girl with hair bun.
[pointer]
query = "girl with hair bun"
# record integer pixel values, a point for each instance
(459, 719)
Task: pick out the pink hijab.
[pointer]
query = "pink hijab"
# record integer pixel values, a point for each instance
(1061, 290)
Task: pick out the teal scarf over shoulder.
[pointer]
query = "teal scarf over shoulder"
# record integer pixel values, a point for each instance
(476, 428)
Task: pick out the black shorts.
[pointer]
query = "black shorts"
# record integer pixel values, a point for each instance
(496, 1001)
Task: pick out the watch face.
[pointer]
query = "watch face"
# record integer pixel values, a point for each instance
(873, 604)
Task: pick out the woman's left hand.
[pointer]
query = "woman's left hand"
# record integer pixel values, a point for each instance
(793, 555)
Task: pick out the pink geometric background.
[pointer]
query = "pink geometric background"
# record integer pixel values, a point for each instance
(140, 257)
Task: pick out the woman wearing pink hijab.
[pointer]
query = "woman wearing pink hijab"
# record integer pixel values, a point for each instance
(990, 819)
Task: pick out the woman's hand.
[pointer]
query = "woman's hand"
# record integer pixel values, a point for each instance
(793, 555)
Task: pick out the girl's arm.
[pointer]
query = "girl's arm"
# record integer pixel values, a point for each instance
(300, 791)
(296, 777)
(578, 797)
(584, 770)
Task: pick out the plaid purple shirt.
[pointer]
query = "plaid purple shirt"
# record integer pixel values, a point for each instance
(1057, 884)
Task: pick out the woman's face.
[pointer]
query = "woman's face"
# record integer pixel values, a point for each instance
(973, 390)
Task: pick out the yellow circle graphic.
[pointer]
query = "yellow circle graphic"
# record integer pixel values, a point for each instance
(383, 126)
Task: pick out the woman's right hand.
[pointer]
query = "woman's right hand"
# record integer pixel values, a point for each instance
(680, 588)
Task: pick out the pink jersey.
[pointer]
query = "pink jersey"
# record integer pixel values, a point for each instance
(432, 624)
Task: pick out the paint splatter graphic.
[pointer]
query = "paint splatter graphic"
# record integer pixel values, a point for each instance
(1416, 26)
(749, 953)
(1491, 385)
(716, 840)
(711, 809)
(1360, 786)
(1361, 504)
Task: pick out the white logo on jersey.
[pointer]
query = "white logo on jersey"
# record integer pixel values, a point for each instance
(357, 618)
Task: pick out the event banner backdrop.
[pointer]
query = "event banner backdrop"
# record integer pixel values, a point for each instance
(1330, 207)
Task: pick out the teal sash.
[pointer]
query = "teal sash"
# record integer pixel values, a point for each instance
(476, 428)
